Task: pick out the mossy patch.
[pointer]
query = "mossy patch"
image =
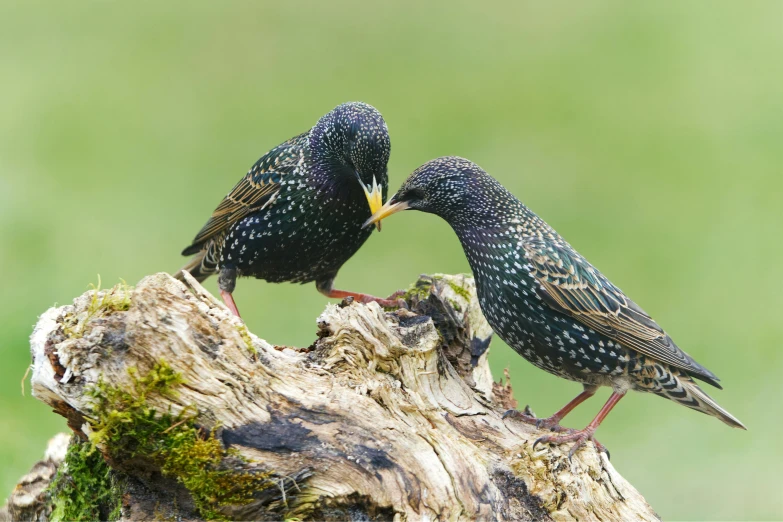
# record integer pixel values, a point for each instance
(459, 290)
(103, 302)
(245, 333)
(420, 290)
(84, 487)
(127, 427)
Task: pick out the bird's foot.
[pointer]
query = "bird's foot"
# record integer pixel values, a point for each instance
(549, 423)
(395, 300)
(397, 295)
(392, 301)
(578, 437)
(526, 416)
(389, 302)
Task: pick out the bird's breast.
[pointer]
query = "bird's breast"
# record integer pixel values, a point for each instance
(307, 232)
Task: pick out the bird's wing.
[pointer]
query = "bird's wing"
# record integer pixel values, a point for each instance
(571, 285)
(259, 186)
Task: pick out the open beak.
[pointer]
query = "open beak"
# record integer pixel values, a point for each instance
(374, 199)
(391, 207)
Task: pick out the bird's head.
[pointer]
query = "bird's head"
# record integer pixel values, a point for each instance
(453, 188)
(353, 141)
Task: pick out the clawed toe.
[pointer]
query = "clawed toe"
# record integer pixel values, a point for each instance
(397, 295)
(549, 423)
(518, 415)
(396, 300)
(601, 448)
(393, 303)
(386, 303)
(578, 437)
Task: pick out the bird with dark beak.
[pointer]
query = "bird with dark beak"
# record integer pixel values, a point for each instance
(549, 303)
(297, 214)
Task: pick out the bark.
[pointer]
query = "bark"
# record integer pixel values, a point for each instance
(28, 500)
(386, 416)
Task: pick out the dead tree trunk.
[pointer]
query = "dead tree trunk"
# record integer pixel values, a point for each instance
(386, 416)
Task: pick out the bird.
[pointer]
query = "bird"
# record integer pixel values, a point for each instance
(297, 214)
(549, 304)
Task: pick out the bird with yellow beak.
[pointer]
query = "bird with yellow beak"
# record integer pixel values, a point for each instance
(549, 304)
(297, 214)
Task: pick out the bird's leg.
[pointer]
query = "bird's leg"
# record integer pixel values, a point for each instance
(579, 437)
(229, 300)
(553, 422)
(392, 301)
(227, 280)
(397, 295)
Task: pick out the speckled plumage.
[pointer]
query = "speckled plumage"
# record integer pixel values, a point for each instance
(547, 301)
(297, 214)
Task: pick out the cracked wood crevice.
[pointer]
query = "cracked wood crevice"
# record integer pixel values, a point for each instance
(388, 415)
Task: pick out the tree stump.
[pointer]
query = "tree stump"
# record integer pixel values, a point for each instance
(179, 412)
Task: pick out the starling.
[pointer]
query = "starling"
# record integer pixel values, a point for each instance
(297, 214)
(548, 303)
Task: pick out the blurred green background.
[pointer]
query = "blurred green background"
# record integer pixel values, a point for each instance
(649, 134)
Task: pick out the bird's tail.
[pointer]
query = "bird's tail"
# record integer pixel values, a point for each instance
(682, 389)
(198, 267)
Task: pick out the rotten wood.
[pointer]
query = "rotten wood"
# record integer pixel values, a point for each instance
(387, 416)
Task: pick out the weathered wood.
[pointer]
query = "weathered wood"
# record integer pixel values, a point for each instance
(28, 500)
(388, 415)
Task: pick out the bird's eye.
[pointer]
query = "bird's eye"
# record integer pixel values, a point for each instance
(414, 194)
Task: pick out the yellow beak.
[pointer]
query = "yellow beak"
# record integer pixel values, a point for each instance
(387, 210)
(374, 199)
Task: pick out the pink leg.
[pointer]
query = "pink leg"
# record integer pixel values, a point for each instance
(229, 300)
(579, 437)
(391, 302)
(553, 422)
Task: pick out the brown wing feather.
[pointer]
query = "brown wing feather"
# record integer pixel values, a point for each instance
(255, 190)
(245, 198)
(571, 285)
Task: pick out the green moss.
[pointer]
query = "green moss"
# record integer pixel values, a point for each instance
(117, 299)
(420, 290)
(84, 487)
(245, 333)
(459, 290)
(128, 427)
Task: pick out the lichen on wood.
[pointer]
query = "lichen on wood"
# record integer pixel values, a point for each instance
(389, 415)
